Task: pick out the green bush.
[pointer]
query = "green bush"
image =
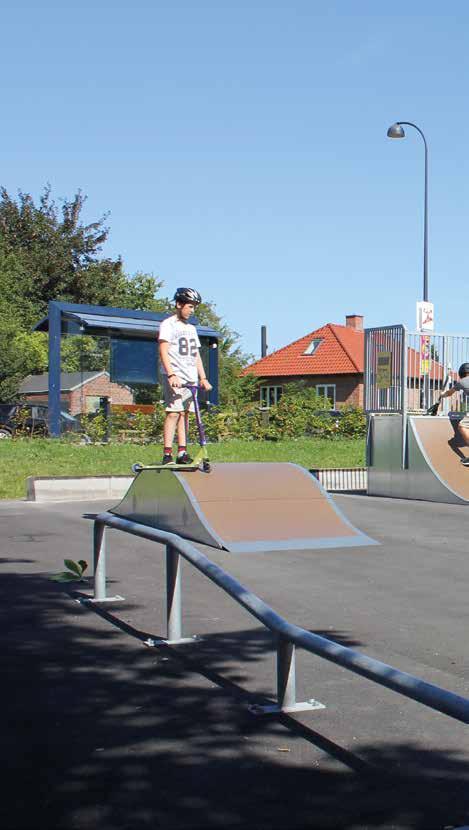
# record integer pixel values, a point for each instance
(94, 426)
(138, 427)
(299, 413)
(20, 422)
(353, 422)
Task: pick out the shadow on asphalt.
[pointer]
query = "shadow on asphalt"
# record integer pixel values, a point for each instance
(101, 733)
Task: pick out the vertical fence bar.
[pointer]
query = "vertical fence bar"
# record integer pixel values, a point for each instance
(173, 594)
(99, 560)
(286, 677)
(404, 395)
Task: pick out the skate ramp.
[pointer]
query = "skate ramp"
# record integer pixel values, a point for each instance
(432, 435)
(432, 470)
(241, 508)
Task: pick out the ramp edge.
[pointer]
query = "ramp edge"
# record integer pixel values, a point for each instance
(431, 467)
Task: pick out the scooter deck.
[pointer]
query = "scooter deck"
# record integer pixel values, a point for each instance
(137, 468)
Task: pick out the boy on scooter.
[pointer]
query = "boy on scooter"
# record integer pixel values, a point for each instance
(181, 363)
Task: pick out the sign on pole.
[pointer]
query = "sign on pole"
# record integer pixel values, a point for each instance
(383, 371)
(425, 316)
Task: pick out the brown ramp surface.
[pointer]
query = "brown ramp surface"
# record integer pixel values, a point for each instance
(432, 435)
(241, 508)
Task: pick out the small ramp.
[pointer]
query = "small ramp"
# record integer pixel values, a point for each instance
(431, 436)
(241, 508)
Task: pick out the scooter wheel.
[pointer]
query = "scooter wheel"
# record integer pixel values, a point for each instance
(136, 468)
(206, 466)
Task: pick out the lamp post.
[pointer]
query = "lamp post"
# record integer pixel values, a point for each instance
(396, 131)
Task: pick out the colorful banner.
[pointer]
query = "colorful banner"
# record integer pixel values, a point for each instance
(425, 354)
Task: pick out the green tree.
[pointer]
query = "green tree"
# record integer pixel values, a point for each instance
(58, 253)
(22, 354)
(140, 293)
(236, 390)
(49, 253)
(21, 350)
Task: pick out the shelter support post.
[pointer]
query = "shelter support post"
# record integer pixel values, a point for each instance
(286, 685)
(55, 323)
(213, 371)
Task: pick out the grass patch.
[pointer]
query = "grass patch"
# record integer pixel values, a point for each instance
(41, 457)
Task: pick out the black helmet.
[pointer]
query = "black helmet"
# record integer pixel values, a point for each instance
(187, 295)
(463, 370)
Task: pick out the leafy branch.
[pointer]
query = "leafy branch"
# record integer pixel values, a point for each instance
(74, 572)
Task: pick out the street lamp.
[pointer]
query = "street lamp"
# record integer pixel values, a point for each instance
(397, 131)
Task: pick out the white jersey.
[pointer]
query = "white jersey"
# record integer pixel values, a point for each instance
(184, 346)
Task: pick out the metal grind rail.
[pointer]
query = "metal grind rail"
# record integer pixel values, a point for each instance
(288, 635)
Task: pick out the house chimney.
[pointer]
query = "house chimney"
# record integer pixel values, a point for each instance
(354, 321)
(263, 341)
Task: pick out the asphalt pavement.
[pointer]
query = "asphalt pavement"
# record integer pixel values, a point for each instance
(103, 731)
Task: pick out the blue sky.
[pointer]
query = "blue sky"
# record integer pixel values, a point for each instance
(241, 148)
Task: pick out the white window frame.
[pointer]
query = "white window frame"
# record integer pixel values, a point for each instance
(322, 389)
(313, 346)
(265, 399)
(92, 403)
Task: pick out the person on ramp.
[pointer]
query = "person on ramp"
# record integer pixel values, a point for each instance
(462, 435)
(181, 363)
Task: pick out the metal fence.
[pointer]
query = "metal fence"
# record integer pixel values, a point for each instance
(385, 369)
(288, 636)
(407, 371)
(345, 479)
(433, 361)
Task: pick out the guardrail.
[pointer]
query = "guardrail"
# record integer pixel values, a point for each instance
(342, 479)
(288, 635)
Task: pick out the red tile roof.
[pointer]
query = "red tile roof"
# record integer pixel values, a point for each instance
(340, 353)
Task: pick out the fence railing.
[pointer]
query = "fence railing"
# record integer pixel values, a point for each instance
(288, 636)
(407, 371)
(343, 479)
(385, 369)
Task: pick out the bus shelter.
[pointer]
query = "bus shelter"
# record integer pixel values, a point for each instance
(132, 337)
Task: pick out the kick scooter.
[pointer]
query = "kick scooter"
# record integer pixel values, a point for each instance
(201, 461)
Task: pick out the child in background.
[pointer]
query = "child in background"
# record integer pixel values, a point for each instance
(461, 385)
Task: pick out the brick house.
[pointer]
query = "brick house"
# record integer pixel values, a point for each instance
(331, 359)
(79, 391)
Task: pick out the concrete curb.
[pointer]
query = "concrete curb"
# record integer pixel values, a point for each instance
(68, 488)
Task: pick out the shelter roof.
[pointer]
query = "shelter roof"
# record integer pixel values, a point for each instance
(114, 322)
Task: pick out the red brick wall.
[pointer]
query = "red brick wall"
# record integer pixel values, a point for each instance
(102, 387)
(348, 388)
(75, 401)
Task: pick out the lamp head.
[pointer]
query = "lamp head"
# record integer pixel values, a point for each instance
(396, 131)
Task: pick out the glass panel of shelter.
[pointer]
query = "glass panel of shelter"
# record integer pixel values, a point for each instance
(130, 361)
